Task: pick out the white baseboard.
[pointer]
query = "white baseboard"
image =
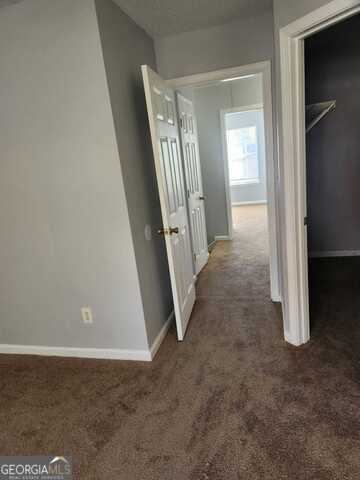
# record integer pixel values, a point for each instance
(335, 253)
(211, 245)
(99, 353)
(276, 298)
(162, 334)
(222, 237)
(255, 202)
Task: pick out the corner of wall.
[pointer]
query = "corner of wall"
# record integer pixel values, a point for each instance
(123, 39)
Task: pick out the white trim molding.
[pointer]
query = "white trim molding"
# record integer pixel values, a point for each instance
(245, 108)
(293, 163)
(226, 172)
(161, 335)
(211, 78)
(208, 78)
(253, 202)
(96, 353)
(220, 238)
(244, 183)
(335, 253)
(211, 245)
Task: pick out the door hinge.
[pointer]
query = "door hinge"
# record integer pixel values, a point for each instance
(181, 123)
(306, 221)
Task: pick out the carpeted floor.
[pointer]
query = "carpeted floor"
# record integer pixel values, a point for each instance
(233, 401)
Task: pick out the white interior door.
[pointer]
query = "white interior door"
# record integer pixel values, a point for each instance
(194, 187)
(160, 101)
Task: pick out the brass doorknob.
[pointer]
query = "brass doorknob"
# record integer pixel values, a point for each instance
(202, 198)
(168, 231)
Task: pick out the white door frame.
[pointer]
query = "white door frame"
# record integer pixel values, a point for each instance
(223, 112)
(263, 68)
(293, 162)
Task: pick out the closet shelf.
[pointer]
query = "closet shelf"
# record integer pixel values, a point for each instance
(316, 111)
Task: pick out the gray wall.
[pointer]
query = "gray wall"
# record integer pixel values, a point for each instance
(249, 92)
(287, 11)
(65, 234)
(208, 103)
(333, 146)
(125, 48)
(238, 43)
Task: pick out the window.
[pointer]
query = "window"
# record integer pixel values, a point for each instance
(242, 148)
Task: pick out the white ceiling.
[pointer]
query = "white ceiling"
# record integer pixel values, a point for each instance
(165, 17)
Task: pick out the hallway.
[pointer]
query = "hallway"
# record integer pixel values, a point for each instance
(231, 402)
(240, 269)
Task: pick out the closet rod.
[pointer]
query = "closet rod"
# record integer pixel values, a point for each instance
(316, 111)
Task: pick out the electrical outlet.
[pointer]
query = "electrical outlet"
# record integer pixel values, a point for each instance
(86, 315)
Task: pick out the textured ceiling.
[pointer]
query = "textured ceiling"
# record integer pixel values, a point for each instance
(165, 17)
(3, 3)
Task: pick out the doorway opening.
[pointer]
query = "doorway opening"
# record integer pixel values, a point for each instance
(293, 165)
(332, 179)
(192, 131)
(243, 137)
(234, 119)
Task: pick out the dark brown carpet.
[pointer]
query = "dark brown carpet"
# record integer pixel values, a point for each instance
(231, 402)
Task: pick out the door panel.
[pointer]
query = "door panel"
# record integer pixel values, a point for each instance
(194, 187)
(160, 101)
